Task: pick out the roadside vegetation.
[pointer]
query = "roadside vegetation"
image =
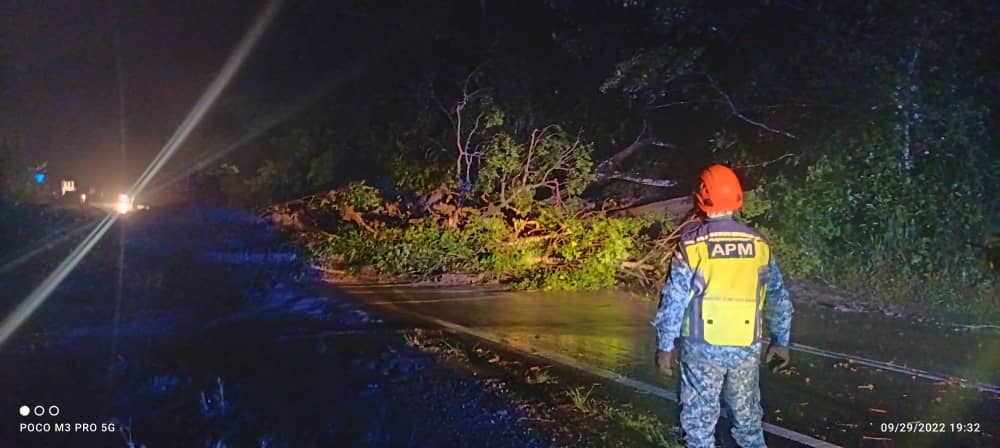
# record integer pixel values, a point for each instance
(575, 402)
(526, 156)
(875, 177)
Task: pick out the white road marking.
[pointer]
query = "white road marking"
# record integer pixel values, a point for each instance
(465, 299)
(860, 360)
(607, 374)
(982, 387)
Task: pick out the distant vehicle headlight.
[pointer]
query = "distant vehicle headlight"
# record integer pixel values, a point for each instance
(124, 204)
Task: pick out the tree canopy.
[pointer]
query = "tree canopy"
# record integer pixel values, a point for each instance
(866, 130)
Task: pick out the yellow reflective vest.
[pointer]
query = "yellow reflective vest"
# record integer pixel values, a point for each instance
(730, 265)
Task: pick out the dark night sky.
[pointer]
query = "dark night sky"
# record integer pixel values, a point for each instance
(59, 83)
(59, 91)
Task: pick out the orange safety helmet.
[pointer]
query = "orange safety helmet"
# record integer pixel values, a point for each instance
(719, 190)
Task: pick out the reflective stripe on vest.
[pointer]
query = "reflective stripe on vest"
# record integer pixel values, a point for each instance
(730, 282)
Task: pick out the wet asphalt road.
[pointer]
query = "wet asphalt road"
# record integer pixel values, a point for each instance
(822, 397)
(831, 399)
(180, 329)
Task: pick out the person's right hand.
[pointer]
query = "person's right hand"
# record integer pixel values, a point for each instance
(779, 352)
(665, 361)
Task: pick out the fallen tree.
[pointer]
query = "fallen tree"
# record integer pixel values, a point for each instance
(352, 229)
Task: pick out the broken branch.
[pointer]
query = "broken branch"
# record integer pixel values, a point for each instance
(662, 183)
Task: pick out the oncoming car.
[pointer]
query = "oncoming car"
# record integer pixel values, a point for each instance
(126, 204)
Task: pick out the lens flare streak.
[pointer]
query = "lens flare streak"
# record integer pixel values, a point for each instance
(235, 61)
(229, 70)
(259, 128)
(67, 234)
(24, 310)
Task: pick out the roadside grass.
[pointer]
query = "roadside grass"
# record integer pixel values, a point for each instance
(442, 346)
(412, 340)
(581, 398)
(562, 399)
(125, 429)
(455, 351)
(540, 375)
(651, 428)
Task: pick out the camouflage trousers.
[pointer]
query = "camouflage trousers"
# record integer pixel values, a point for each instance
(702, 382)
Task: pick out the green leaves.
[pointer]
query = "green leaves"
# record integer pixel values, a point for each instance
(552, 249)
(648, 73)
(859, 219)
(893, 197)
(357, 195)
(494, 119)
(300, 161)
(514, 170)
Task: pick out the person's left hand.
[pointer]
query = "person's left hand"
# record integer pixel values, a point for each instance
(665, 361)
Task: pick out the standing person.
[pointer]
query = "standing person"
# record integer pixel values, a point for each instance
(723, 287)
